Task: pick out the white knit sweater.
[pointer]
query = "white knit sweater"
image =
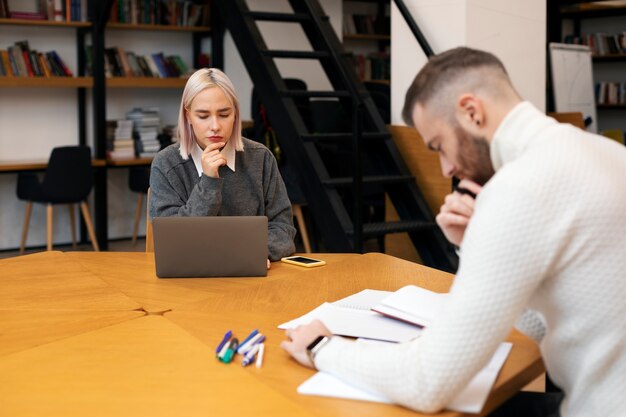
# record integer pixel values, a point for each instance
(548, 233)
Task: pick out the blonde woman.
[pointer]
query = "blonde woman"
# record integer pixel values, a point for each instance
(214, 171)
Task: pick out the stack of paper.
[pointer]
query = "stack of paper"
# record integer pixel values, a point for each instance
(470, 400)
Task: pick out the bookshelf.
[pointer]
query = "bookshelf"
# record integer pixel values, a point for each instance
(117, 95)
(94, 96)
(40, 112)
(366, 34)
(51, 82)
(586, 22)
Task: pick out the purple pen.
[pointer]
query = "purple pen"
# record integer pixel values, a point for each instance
(223, 342)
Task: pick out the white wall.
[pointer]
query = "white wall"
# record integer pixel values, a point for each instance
(513, 30)
(32, 122)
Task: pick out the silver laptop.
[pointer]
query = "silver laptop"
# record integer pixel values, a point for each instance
(216, 246)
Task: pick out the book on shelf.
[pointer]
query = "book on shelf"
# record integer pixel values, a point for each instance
(4, 9)
(20, 60)
(373, 66)
(161, 12)
(53, 10)
(611, 92)
(121, 63)
(601, 44)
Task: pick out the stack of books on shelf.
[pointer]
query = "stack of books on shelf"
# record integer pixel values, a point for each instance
(611, 92)
(120, 144)
(146, 123)
(373, 66)
(21, 61)
(600, 43)
(53, 10)
(121, 63)
(161, 12)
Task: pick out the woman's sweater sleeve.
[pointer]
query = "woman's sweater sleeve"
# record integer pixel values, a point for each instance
(496, 278)
(167, 191)
(278, 210)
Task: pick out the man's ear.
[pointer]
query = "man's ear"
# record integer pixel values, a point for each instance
(470, 113)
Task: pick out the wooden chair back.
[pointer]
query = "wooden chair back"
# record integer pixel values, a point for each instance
(574, 118)
(149, 239)
(423, 164)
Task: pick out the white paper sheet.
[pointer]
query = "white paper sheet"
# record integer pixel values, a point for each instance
(470, 400)
(357, 323)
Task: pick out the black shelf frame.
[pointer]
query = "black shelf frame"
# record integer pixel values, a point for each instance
(100, 12)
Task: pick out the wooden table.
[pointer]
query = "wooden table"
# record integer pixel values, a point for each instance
(98, 334)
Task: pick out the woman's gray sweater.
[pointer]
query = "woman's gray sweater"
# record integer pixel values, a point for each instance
(255, 188)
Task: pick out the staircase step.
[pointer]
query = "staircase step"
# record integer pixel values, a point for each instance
(328, 137)
(373, 179)
(281, 17)
(403, 226)
(309, 93)
(296, 54)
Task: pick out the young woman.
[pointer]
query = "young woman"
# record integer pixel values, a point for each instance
(214, 171)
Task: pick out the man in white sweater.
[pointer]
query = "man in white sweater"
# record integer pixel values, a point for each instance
(547, 231)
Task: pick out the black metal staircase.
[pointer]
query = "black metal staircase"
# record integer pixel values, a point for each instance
(335, 191)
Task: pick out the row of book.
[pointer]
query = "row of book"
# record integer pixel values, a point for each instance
(611, 92)
(374, 66)
(21, 61)
(601, 43)
(366, 24)
(161, 12)
(121, 63)
(53, 10)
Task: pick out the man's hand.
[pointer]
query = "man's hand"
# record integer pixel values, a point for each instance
(269, 265)
(300, 338)
(212, 159)
(456, 212)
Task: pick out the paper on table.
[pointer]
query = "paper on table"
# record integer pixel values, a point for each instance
(357, 323)
(412, 304)
(470, 400)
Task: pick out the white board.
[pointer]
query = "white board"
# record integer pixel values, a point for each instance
(572, 81)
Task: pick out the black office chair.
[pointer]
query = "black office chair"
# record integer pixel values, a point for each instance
(68, 180)
(138, 182)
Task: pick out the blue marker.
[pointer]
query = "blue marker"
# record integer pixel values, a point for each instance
(249, 357)
(223, 342)
(250, 336)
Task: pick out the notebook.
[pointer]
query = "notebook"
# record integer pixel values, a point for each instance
(413, 305)
(214, 246)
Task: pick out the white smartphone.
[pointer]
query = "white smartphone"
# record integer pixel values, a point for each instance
(303, 261)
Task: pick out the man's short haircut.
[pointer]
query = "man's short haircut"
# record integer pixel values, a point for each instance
(437, 78)
(199, 81)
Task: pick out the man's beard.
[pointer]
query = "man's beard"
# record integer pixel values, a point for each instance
(474, 158)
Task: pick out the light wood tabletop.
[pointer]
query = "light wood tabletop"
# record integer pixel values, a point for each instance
(101, 357)
(158, 295)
